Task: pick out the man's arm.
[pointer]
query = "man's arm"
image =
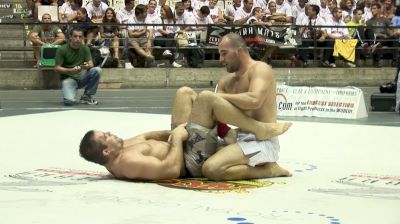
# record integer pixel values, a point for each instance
(60, 38)
(260, 82)
(152, 168)
(156, 135)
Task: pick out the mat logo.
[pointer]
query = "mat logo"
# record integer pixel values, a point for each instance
(203, 184)
(42, 180)
(367, 186)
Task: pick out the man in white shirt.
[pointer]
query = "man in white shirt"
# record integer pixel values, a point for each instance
(284, 8)
(243, 14)
(229, 13)
(183, 17)
(202, 17)
(96, 10)
(141, 36)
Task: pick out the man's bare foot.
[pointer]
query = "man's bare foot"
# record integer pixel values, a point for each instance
(270, 130)
(274, 170)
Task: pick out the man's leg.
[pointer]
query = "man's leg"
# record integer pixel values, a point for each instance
(69, 89)
(209, 107)
(90, 79)
(230, 163)
(182, 106)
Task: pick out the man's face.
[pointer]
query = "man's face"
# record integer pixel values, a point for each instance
(311, 12)
(357, 16)
(130, 6)
(46, 18)
(180, 10)
(248, 5)
(111, 141)
(332, 5)
(279, 2)
(338, 14)
(374, 11)
(96, 3)
(237, 2)
(272, 7)
(76, 39)
(152, 6)
(229, 56)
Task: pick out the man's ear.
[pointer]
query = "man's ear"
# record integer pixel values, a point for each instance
(106, 152)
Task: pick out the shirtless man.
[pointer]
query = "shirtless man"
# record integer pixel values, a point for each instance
(159, 154)
(252, 89)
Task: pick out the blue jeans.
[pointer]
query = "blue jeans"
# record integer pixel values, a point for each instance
(88, 79)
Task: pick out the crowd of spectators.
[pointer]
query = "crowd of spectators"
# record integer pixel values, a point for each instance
(321, 23)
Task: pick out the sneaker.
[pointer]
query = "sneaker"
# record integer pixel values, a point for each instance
(325, 64)
(176, 65)
(69, 102)
(167, 53)
(375, 47)
(350, 65)
(128, 65)
(332, 65)
(85, 99)
(149, 59)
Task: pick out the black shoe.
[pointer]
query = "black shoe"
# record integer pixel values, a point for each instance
(69, 102)
(85, 99)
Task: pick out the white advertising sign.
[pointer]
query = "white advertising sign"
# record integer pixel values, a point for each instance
(346, 102)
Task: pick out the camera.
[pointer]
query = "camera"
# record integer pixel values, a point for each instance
(389, 87)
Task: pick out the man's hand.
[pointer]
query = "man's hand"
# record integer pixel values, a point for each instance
(85, 66)
(180, 132)
(76, 70)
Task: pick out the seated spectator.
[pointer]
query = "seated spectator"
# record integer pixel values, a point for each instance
(83, 23)
(230, 10)
(67, 12)
(325, 12)
(379, 33)
(183, 17)
(347, 7)
(187, 4)
(202, 17)
(124, 14)
(141, 36)
(298, 9)
(243, 14)
(197, 4)
(152, 14)
(284, 9)
(274, 16)
(30, 6)
(215, 13)
(337, 32)
(388, 9)
(311, 31)
(96, 10)
(164, 35)
(42, 2)
(357, 30)
(110, 31)
(45, 33)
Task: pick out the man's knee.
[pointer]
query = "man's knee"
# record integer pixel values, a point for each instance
(95, 71)
(206, 96)
(185, 91)
(212, 169)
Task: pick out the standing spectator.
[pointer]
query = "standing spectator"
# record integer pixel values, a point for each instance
(46, 33)
(141, 35)
(164, 35)
(110, 31)
(96, 9)
(74, 64)
(378, 32)
(42, 2)
(243, 14)
(229, 13)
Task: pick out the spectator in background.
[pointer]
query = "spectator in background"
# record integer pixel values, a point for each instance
(367, 10)
(67, 12)
(141, 36)
(298, 9)
(83, 23)
(42, 2)
(110, 31)
(202, 17)
(357, 30)
(187, 4)
(124, 14)
(332, 4)
(164, 35)
(378, 32)
(216, 13)
(197, 4)
(152, 14)
(347, 7)
(273, 16)
(388, 9)
(74, 64)
(96, 10)
(243, 14)
(183, 17)
(284, 9)
(325, 12)
(230, 10)
(45, 33)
